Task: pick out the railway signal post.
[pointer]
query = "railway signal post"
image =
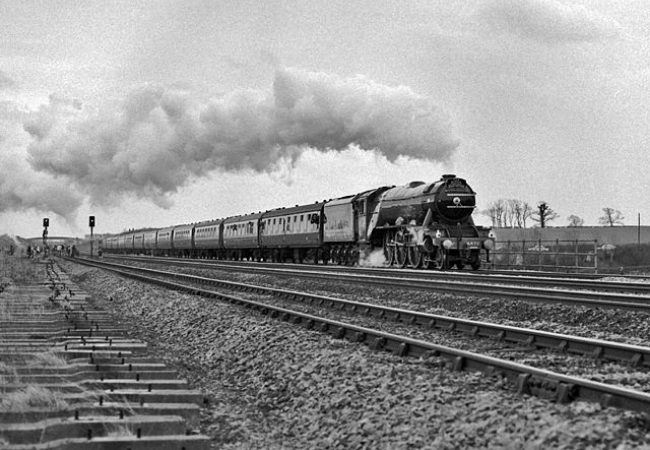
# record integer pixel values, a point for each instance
(91, 224)
(46, 224)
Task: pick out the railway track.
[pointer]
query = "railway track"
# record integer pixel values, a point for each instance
(70, 379)
(631, 296)
(537, 381)
(634, 284)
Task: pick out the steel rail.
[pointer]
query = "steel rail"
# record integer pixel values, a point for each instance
(526, 278)
(528, 380)
(582, 298)
(597, 348)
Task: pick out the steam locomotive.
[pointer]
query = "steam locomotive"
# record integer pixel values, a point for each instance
(420, 225)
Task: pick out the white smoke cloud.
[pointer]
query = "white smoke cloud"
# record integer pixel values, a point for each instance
(374, 259)
(163, 138)
(22, 188)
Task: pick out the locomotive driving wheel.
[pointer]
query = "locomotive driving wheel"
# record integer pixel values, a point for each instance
(389, 247)
(401, 249)
(415, 256)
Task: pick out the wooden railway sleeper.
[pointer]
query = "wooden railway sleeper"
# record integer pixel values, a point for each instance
(598, 353)
(636, 360)
(402, 349)
(339, 333)
(546, 388)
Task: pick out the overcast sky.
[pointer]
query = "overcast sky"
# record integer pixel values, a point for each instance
(151, 113)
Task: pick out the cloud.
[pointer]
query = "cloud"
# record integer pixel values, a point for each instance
(162, 138)
(22, 188)
(548, 21)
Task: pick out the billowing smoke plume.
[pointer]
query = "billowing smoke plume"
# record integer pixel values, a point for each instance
(161, 138)
(22, 188)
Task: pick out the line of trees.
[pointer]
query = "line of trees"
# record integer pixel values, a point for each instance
(515, 213)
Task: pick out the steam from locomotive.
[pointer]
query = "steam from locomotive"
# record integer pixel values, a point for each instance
(160, 139)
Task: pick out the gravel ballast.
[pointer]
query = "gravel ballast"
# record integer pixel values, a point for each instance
(273, 385)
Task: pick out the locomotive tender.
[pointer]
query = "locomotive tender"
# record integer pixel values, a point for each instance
(421, 224)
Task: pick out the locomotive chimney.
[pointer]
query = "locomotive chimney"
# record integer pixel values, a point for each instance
(448, 176)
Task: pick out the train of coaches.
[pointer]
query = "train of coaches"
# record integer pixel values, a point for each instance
(421, 224)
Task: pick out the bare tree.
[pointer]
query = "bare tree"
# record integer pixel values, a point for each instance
(508, 213)
(495, 211)
(544, 214)
(611, 217)
(576, 221)
(522, 212)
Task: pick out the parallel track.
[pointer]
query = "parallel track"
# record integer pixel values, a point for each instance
(634, 296)
(536, 381)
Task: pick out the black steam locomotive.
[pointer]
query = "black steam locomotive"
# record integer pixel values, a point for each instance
(426, 225)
